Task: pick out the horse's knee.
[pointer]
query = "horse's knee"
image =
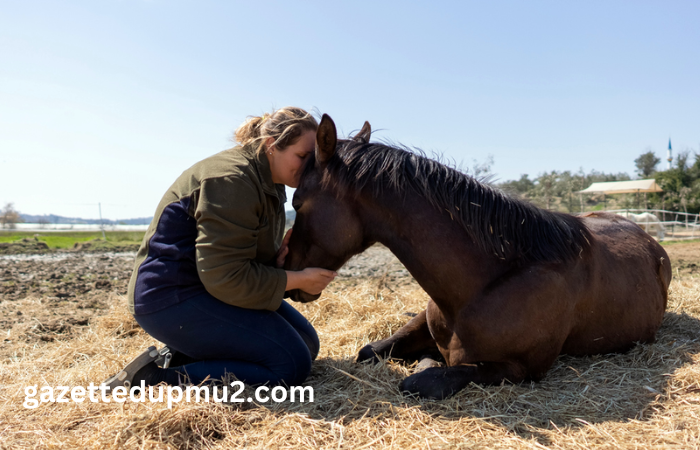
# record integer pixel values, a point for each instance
(371, 352)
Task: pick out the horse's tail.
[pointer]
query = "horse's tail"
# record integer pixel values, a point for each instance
(665, 274)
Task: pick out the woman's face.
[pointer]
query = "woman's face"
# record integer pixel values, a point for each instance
(286, 164)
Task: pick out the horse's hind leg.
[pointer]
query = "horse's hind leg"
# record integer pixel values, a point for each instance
(411, 342)
(442, 382)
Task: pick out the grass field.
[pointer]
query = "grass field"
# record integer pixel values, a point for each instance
(63, 240)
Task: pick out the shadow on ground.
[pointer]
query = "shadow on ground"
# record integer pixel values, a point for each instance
(577, 391)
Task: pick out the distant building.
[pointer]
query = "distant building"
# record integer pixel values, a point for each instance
(669, 158)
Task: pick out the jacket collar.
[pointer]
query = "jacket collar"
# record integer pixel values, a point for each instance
(262, 166)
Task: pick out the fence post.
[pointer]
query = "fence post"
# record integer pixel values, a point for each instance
(102, 225)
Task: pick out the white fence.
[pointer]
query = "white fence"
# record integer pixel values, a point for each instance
(676, 225)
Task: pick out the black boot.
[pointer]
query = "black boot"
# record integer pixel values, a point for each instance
(125, 377)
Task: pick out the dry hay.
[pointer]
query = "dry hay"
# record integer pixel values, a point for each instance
(646, 398)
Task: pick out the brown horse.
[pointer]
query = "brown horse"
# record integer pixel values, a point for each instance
(512, 286)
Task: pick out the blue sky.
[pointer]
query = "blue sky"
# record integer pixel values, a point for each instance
(109, 101)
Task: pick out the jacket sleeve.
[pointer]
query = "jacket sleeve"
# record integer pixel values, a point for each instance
(228, 215)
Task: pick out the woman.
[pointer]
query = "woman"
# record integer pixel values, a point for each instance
(208, 279)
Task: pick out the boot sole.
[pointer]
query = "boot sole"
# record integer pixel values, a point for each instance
(126, 376)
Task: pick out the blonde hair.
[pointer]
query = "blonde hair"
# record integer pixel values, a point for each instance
(284, 125)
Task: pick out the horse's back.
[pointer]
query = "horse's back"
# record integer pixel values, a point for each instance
(629, 274)
(624, 243)
(623, 237)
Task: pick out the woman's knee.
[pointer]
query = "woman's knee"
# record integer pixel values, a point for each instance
(302, 326)
(294, 372)
(311, 341)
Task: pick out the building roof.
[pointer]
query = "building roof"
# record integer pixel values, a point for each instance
(623, 187)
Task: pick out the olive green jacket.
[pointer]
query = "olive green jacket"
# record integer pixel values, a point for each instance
(218, 228)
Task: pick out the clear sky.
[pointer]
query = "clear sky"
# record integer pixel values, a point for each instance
(109, 101)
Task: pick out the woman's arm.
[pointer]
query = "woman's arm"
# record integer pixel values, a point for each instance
(228, 222)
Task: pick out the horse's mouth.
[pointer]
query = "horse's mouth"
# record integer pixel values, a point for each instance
(302, 297)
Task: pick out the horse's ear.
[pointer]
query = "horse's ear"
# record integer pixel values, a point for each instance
(364, 134)
(326, 139)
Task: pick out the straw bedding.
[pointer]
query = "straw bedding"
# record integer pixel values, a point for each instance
(646, 398)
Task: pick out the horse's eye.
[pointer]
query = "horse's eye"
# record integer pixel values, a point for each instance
(296, 205)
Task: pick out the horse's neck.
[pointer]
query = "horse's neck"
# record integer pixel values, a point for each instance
(432, 246)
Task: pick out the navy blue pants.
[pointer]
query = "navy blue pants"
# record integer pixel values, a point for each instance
(257, 346)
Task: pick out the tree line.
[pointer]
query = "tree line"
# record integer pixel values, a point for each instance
(558, 190)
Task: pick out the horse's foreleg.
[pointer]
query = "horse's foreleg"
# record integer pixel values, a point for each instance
(412, 341)
(442, 382)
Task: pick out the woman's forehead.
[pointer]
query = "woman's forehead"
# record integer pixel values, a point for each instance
(304, 143)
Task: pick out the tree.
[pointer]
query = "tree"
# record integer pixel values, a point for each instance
(646, 164)
(558, 191)
(681, 185)
(521, 186)
(9, 217)
(482, 171)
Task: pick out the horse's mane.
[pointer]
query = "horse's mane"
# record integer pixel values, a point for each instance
(501, 225)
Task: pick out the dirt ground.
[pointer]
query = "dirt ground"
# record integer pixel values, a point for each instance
(685, 257)
(52, 295)
(47, 295)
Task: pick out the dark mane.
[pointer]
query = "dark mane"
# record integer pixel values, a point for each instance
(500, 225)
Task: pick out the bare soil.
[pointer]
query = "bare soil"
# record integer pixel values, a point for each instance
(47, 295)
(51, 295)
(685, 257)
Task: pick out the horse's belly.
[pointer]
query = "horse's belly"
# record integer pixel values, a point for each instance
(628, 289)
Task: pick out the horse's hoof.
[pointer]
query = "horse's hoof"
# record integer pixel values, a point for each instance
(367, 353)
(427, 384)
(437, 382)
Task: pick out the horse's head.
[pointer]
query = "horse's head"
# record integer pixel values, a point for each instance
(327, 229)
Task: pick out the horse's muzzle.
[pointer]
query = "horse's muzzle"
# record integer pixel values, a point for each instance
(302, 297)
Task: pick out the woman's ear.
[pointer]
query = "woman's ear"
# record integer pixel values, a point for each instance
(269, 144)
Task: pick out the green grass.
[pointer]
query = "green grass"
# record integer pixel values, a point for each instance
(58, 240)
(688, 241)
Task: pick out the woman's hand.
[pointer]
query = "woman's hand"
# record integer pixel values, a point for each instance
(284, 249)
(312, 280)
